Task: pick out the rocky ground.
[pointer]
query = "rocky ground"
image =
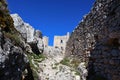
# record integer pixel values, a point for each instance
(52, 69)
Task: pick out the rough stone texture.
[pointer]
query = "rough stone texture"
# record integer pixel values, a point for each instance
(96, 40)
(52, 69)
(32, 36)
(83, 71)
(25, 29)
(60, 41)
(52, 52)
(38, 34)
(45, 41)
(13, 60)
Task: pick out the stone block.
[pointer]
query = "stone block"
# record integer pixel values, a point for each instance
(115, 52)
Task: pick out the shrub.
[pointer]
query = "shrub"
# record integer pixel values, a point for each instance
(75, 63)
(0, 4)
(56, 64)
(37, 57)
(35, 75)
(34, 60)
(55, 67)
(14, 37)
(77, 73)
(65, 61)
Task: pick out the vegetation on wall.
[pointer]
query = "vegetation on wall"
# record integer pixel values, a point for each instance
(70, 62)
(14, 37)
(6, 24)
(73, 63)
(34, 61)
(6, 21)
(10, 33)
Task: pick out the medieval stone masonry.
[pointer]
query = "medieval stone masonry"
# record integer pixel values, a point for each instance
(45, 41)
(60, 41)
(96, 40)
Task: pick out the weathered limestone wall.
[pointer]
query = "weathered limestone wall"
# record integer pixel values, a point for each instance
(60, 41)
(96, 40)
(45, 41)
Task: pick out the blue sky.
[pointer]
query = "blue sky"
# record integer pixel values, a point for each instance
(52, 17)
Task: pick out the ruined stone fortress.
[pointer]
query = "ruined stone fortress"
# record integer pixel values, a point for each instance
(59, 41)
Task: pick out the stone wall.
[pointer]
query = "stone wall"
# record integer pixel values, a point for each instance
(45, 41)
(96, 40)
(60, 41)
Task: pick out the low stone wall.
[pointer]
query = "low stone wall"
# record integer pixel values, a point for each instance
(96, 40)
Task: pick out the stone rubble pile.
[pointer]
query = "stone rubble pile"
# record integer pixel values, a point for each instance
(52, 69)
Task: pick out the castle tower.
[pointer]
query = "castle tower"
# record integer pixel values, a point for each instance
(45, 41)
(60, 41)
(68, 35)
